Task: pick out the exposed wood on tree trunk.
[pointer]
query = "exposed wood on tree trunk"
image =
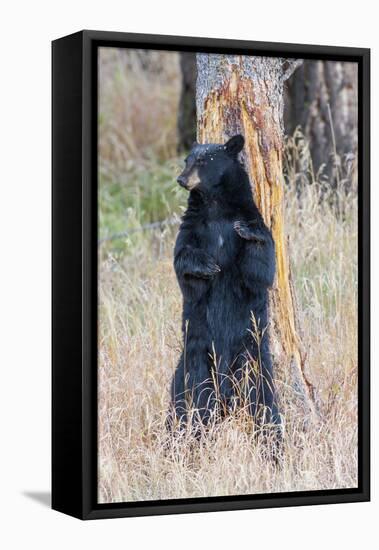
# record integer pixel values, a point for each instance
(322, 98)
(240, 94)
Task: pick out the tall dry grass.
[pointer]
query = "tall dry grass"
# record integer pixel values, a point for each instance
(138, 104)
(139, 346)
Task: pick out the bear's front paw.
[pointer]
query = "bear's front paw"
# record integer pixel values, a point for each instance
(204, 266)
(249, 231)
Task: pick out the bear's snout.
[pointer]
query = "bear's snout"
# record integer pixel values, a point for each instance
(182, 180)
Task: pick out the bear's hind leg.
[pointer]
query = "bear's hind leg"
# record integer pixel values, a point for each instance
(177, 414)
(255, 390)
(192, 391)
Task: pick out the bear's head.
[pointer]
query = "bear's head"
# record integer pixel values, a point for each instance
(206, 164)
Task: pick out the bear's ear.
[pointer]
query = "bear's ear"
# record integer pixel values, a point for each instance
(235, 145)
(194, 144)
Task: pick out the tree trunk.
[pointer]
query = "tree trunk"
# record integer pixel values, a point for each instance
(187, 102)
(322, 98)
(240, 94)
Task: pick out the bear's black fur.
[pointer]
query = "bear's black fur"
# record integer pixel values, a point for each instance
(224, 259)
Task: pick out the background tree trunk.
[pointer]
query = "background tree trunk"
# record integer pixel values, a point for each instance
(240, 94)
(187, 102)
(310, 90)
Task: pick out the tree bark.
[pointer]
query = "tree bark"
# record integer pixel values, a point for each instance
(322, 98)
(240, 94)
(187, 102)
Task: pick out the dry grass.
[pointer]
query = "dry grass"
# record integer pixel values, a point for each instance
(140, 309)
(138, 103)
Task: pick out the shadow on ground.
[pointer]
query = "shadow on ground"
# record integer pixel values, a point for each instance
(42, 497)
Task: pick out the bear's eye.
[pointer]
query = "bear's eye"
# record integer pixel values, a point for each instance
(200, 162)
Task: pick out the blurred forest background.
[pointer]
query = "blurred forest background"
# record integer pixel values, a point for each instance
(147, 122)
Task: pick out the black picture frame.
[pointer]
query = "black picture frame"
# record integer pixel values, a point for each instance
(74, 272)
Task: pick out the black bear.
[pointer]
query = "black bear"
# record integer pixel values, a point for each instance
(224, 260)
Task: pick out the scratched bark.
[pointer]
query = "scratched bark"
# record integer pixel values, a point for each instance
(240, 94)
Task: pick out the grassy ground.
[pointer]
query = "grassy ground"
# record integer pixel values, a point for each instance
(140, 312)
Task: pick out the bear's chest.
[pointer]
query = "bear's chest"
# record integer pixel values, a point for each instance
(220, 240)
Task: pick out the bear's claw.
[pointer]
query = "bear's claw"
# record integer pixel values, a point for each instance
(245, 231)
